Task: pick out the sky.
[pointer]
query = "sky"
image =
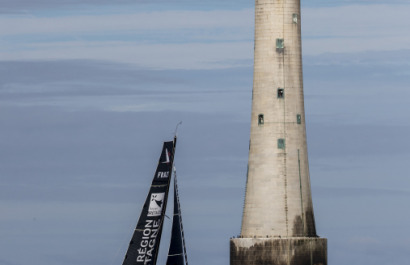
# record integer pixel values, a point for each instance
(89, 90)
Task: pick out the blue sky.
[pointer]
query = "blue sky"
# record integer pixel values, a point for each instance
(90, 89)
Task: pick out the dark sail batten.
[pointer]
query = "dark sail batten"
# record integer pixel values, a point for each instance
(144, 245)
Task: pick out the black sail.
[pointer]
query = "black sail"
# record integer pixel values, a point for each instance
(177, 251)
(144, 245)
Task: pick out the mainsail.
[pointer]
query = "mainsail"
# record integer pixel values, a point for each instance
(177, 251)
(144, 245)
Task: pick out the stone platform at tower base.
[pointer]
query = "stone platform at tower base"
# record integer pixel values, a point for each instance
(278, 251)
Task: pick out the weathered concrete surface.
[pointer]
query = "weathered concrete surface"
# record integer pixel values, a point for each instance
(278, 251)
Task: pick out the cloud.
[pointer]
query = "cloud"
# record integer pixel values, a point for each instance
(167, 39)
(355, 28)
(356, 192)
(157, 56)
(24, 6)
(195, 39)
(124, 22)
(95, 85)
(27, 6)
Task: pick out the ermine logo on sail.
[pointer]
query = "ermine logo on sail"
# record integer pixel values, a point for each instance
(156, 203)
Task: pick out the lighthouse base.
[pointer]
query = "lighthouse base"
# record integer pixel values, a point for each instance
(278, 251)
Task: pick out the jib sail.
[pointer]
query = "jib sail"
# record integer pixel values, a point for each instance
(177, 251)
(144, 245)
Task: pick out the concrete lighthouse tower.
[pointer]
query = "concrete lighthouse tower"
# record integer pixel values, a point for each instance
(278, 225)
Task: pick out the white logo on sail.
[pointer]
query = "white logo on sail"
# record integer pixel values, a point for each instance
(156, 203)
(163, 175)
(166, 157)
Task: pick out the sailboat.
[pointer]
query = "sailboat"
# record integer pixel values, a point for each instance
(144, 245)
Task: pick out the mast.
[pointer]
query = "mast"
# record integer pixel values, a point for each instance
(144, 244)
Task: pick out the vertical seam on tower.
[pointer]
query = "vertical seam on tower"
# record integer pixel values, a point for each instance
(284, 119)
(301, 196)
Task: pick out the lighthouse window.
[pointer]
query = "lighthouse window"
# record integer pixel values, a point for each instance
(281, 143)
(279, 44)
(295, 18)
(299, 119)
(260, 119)
(281, 93)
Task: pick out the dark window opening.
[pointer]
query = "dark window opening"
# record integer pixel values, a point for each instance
(279, 44)
(281, 143)
(299, 119)
(281, 93)
(260, 119)
(295, 18)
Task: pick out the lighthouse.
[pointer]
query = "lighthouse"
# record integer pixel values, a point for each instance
(278, 223)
